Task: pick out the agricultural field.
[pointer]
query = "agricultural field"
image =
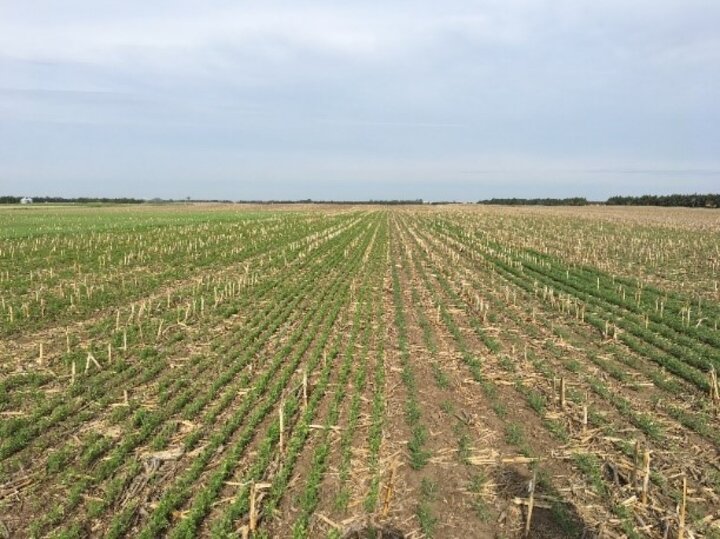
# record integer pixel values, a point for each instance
(347, 372)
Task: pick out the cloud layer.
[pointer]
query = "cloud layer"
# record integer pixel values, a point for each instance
(452, 100)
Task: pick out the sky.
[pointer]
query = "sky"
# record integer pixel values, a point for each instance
(452, 100)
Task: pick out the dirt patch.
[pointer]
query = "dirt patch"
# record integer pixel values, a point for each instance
(550, 518)
(372, 531)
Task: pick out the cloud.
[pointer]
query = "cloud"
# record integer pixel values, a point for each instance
(514, 91)
(84, 32)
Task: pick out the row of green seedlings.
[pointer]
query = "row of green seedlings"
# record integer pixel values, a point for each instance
(490, 391)
(350, 349)
(199, 509)
(118, 251)
(645, 246)
(540, 401)
(181, 490)
(93, 297)
(537, 402)
(460, 427)
(234, 391)
(266, 253)
(699, 419)
(514, 431)
(186, 409)
(246, 502)
(347, 439)
(684, 313)
(148, 423)
(428, 333)
(515, 436)
(310, 496)
(295, 405)
(424, 514)
(652, 248)
(418, 455)
(696, 340)
(93, 388)
(377, 413)
(378, 402)
(647, 302)
(107, 399)
(101, 328)
(655, 375)
(586, 285)
(666, 353)
(622, 405)
(185, 404)
(637, 292)
(189, 308)
(178, 381)
(250, 334)
(640, 420)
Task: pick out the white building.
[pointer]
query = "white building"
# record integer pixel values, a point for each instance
(26, 200)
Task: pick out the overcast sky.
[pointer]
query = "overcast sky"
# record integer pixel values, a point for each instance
(438, 100)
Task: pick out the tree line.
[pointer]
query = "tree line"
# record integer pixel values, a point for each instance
(79, 200)
(678, 200)
(86, 200)
(572, 201)
(688, 201)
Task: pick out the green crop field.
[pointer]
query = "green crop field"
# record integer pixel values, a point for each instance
(359, 371)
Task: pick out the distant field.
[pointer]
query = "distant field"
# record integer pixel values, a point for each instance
(234, 371)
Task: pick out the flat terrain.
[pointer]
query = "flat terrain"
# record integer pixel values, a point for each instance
(451, 371)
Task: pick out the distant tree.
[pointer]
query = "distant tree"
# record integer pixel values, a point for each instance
(80, 200)
(676, 200)
(572, 201)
